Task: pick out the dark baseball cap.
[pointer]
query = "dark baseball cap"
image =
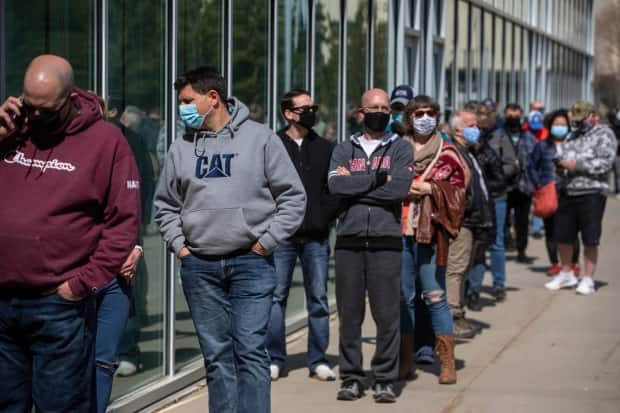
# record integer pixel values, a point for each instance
(402, 94)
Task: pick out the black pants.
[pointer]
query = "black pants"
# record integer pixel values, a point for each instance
(552, 245)
(376, 272)
(519, 204)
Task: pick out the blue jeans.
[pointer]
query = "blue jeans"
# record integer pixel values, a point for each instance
(498, 255)
(418, 264)
(537, 225)
(47, 354)
(229, 300)
(113, 305)
(314, 256)
(474, 278)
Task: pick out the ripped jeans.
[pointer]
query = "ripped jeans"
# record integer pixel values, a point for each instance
(418, 263)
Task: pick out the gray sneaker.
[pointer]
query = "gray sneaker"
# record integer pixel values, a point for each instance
(350, 390)
(384, 393)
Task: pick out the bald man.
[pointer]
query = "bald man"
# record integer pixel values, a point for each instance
(372, 171)
(70, 216)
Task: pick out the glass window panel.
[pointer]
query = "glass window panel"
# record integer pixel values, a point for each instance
(327, 28)
(498, 59)
(449, 58)
(249, 55)
(518, 50)
(381, 32)
(357, 56)
(461, 54)
(487, 45)
(198, 43)
(136, 97)
(475, 54)
(508, 53)
(292, 48)
(438, 17)
(35, 27)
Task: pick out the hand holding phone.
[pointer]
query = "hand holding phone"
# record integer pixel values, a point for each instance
(12, 116)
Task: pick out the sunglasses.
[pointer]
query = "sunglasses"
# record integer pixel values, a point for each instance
(305, 108)
(33, 112)
(430, 112)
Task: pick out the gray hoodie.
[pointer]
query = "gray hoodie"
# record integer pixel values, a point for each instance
(221, 192)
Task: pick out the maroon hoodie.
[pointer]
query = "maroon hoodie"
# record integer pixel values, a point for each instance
(69, 212)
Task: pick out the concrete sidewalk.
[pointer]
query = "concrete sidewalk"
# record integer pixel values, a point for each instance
(540, 351)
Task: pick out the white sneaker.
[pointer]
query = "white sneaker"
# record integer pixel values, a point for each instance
(562, 280)
(586, 286)
(126, 368)
(322, 372)
(275, 372)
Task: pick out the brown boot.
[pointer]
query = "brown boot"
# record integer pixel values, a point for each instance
(406, 356)
(445, 349)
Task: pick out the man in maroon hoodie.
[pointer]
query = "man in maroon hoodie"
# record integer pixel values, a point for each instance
(69, 216)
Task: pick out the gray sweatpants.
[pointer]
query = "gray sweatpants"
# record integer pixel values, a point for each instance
(376, 272)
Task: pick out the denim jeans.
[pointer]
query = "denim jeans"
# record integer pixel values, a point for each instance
(314, 256)
(229, 300)
(47, 354)
(498, 255)
(418, 264)
(113, 304)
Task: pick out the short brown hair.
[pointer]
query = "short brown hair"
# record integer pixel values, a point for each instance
(418, 102)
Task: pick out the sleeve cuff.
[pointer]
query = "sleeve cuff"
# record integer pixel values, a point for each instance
(78, 289)
(268, 242)
(177, 244)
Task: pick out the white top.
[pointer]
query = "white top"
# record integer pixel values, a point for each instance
(298, 141)
(369, 145)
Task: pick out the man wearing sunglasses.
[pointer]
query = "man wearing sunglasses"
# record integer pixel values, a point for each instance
(70, 217)
(372, 171)
(310, 154)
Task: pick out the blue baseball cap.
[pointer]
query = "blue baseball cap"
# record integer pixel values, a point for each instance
(535, 120)
(402, 94)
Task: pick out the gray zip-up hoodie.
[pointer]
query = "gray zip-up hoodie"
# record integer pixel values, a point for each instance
(374, 203)
(221, 192)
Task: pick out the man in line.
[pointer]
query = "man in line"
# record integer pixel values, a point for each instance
(372, 172)
(500, 142)
(229, 195)
(477, 221)
(401, 95)
(70, 217)
(584, 165)
(521, 189)
(310, 154)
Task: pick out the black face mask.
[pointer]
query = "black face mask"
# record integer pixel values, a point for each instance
(307, 119)
(376, 121)
(49, 123)
(513, 124)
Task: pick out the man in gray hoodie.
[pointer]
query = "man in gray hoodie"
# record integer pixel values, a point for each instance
(372, 172)
(228, 195)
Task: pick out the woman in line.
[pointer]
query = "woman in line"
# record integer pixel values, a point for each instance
(542, 171)
(437, 190)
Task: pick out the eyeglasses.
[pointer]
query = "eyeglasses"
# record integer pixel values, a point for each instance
(305, 108)
(367, 109)
(430, 112)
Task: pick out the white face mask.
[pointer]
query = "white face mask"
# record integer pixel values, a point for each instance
(424, 125)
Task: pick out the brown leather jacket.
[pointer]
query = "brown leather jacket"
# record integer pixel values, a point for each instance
(441, 214)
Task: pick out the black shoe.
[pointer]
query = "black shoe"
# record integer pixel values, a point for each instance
(522, 258)
(384, 393)
(350, 390)
(473, 302)
(463, 328)
(499, 294)
(537, 235)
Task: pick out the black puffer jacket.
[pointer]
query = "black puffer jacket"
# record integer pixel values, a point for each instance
(492, 168)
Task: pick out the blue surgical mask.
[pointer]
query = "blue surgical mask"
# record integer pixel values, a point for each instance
(190, 116)
(397, 117)
(471, 135)
(559, 131)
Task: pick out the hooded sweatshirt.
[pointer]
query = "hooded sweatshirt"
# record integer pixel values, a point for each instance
(220, 192)
(69, 210)
(372, 215)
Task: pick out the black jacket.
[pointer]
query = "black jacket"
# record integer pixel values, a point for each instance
(312, 163)
(492, 167)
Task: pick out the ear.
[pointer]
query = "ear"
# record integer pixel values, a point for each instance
(287, 115)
